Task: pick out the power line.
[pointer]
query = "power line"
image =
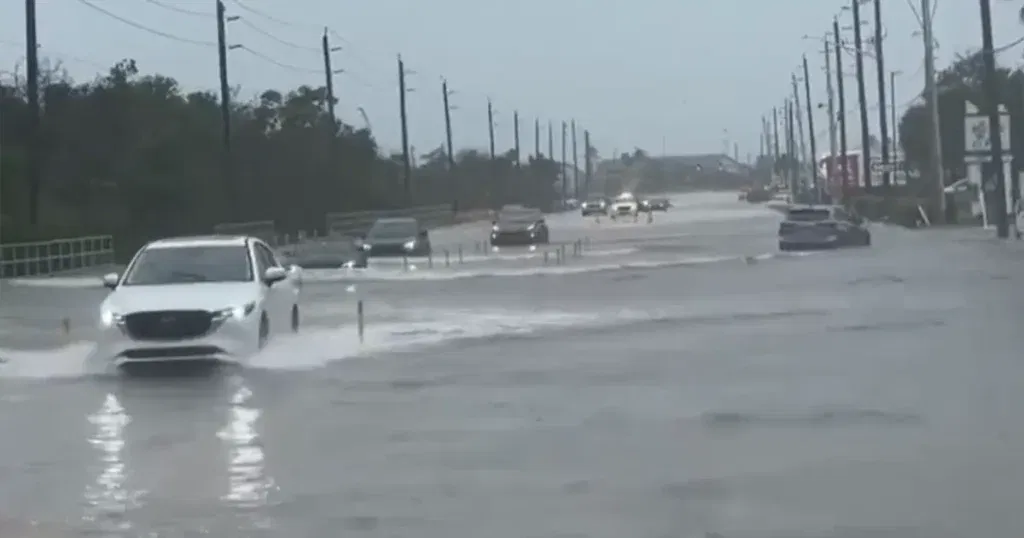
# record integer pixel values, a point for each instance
(278, 63)
(267, 34)
(144, 28)
(274, 19)
(179, 9)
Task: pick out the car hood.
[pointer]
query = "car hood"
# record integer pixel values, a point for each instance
(389, 240)
(514, 226)
(194, 296)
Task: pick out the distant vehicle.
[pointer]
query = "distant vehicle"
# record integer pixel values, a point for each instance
(655, 204)
(571, 203)
(519, 227)
(758, 195)
(810, 227)
(203, 298)
(625, 204)
(595, 206)
(395, 237)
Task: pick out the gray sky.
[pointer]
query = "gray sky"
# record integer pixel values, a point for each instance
(636, 73)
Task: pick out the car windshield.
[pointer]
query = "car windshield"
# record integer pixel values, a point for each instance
(181, 265)
(625, 198)
(392, 229)
(517, 217)
(808, 215)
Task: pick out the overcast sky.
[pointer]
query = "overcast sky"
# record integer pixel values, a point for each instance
(694, 76)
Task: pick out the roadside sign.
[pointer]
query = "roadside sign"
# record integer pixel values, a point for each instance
(879, 167)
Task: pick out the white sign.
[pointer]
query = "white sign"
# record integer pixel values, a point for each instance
(976, 130)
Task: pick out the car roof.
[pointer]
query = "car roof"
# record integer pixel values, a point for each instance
(201, 241)
(396, 220)
(811, 207)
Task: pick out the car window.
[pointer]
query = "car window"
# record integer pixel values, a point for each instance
(393, 229)
(808, 215)
(185, 264)
(840, 214)
(267, 256)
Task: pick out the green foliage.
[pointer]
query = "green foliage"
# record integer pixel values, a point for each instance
(959, 82)
(135, 156)
(900, 209)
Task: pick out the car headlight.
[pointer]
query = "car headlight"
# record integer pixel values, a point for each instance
(531, 227)
(366, 246)
(235, 312)
(109, 318)
(495, 228)
(409, 245)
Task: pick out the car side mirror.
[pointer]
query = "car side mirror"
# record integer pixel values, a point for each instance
(424, 234)
(273, 275)
(110, 280)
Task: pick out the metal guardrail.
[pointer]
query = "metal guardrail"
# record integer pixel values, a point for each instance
(54, 256)
(358, 222)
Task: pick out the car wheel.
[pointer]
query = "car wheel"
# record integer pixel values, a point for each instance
(867, 239)
(784, 247)
(295, 318)
(264, 332)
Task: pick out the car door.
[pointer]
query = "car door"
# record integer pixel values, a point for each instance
(278, 297)
(846, 229)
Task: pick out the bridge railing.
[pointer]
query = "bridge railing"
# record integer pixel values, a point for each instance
(55, 256)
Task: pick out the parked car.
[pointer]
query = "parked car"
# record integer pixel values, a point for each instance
(821, 227)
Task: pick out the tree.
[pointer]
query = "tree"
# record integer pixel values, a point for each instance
(958, 83)
(133, 155)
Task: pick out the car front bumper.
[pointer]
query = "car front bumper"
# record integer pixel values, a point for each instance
(514, 238)
(587, 211)
(232, 341)
(810, 242)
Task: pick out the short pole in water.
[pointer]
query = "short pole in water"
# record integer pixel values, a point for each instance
(447, 258)
(360, 320)
(460, 254)
(430, 260)
(546, 257)
(405, 263)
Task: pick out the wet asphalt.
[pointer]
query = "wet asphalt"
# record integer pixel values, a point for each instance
(674, 379)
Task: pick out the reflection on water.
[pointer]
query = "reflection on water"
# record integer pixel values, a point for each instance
(107, 498)
(249, 485)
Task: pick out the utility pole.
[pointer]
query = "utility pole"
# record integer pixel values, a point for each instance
(865, 129)
(892, 110)
(551, 142)
(844, 170)
(575, 165)
(515, 127)
(775, 131)
(35, 150)
(225, 110)
(588, 166)
(490, 127)
(931, 92)
(800, 128)
(329, 74)
(536, 138)
(495, 185)
(565, 182)
(791, 166)
(994, 130)
(810, 129)
(448, 141)
(403, 115)
(831, 101)
(883, 129)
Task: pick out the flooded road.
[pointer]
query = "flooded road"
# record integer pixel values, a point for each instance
(677, 378)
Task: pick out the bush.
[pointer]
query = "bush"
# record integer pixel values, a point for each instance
(901, 210)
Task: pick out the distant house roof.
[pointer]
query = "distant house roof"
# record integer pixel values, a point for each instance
(710, 161)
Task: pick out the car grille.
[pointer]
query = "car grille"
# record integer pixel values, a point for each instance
(168, 324)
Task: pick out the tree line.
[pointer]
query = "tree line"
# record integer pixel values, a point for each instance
(135, 156)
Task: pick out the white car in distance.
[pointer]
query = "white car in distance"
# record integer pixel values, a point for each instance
(211, 298)
(625, 204)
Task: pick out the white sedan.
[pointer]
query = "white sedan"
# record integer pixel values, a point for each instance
(217, 298)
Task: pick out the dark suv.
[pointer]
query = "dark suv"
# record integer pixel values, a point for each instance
(821, 227)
